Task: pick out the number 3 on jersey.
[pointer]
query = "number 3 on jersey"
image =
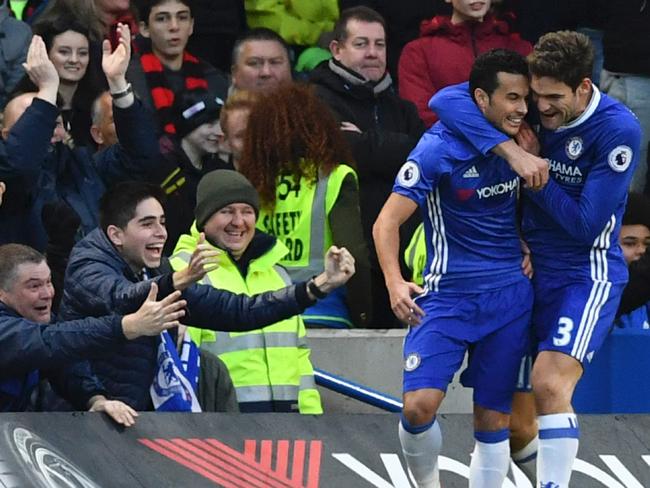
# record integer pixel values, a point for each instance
(563, 336)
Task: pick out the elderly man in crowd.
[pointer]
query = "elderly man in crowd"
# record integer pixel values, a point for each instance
(33, 349)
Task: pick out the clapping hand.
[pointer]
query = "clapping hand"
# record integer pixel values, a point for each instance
(41, 70)
(115, 63)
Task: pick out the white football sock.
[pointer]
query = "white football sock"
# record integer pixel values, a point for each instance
(421, 452)
(490, 459)
(558, 446)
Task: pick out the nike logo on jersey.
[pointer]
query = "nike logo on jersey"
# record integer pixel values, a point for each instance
(471, 173)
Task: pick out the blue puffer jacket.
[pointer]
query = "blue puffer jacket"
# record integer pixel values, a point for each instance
(49, 173)
(28, 347)
(98, 281)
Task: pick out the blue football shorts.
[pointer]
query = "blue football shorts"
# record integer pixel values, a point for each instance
(572, 315)
(493, 327)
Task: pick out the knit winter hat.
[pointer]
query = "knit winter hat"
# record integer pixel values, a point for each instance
(194, 108)
(220, 188)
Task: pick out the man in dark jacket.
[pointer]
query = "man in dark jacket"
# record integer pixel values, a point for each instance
(33, 349)
(111, 270)
(50, 171)
(381, 128)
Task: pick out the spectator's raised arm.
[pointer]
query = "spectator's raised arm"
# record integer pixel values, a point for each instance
(41, 70)
(115, 64)
(137, 154)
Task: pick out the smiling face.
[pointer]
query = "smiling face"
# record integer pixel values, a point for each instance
(364, 49)
(31, 293)
(204, 139)
(634, 240)
(70, 55)
(557, 103)
(469, 10)
(169, 27)
(141, 242)
(506, 107)
(232, 228)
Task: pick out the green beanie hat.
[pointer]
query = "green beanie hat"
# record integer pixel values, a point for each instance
(220, 188)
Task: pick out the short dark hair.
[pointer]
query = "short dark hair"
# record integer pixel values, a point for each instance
(257, 34)
(12, 256)
(566, 56)
(117, 206)
(488, 65)
(637, 210)
(361, 14)
(144, 7)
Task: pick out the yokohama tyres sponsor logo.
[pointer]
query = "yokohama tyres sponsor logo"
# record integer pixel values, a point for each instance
(564, 169)
(498, 189)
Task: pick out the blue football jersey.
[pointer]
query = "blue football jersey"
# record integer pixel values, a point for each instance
(571, 225)
(468, 203)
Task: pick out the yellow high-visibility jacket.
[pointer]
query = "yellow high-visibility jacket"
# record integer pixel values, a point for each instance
(270, 364)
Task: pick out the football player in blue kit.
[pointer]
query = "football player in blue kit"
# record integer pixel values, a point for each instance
(476, 297)
(591, 143)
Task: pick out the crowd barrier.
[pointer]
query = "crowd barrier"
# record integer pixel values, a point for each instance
(48, 450)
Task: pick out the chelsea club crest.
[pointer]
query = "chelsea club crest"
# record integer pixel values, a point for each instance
(574, 147)
(412, 361)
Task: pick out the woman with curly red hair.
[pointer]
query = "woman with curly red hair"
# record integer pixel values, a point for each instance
(299, 163)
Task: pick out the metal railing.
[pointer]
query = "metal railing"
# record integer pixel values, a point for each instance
(357, 391)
